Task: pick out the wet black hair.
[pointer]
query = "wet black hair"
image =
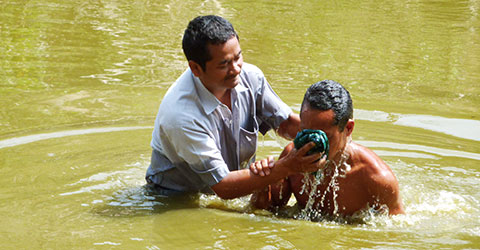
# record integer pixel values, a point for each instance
(329, 94)
(204, 30)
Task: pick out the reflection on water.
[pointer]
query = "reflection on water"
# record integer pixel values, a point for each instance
(80, 84)
(462, 128)
(421, 148)
(33, 138)
(139, 201)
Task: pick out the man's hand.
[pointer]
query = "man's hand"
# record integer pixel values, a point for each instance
(262, 167)
(242, 182)
(297, 161)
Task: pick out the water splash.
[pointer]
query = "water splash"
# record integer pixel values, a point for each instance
(334, 169)
(241, 204)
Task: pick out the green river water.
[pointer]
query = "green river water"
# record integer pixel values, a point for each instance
(81, 81)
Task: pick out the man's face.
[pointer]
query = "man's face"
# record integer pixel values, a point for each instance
(223, 70)
(324, 120)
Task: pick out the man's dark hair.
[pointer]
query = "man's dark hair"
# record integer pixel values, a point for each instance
(204, 30)
(329, 94)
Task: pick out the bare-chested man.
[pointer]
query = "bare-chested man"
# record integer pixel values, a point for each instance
(354, 178)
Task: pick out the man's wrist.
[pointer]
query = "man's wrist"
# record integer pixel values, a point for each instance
(281, 166)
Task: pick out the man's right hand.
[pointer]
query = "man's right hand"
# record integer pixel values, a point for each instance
(292, 161)
(297, 161)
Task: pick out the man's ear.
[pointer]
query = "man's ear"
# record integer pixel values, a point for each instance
(195, 68)
(349, 127)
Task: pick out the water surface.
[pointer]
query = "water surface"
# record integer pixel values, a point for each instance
(80, 84)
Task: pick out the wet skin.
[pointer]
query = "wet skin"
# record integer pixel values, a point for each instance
(369, 183)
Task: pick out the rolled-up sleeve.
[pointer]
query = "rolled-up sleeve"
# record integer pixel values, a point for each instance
(271, 110)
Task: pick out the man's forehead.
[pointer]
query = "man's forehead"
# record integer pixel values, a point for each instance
(317, 118)
(219, 46)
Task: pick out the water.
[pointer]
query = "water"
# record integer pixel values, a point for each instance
(80, 84)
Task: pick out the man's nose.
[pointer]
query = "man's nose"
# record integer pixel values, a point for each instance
(236, 68)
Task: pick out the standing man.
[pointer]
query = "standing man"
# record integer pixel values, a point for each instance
(207, 125)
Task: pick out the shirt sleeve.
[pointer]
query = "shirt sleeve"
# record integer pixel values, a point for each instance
(197, 148)
(271, 110)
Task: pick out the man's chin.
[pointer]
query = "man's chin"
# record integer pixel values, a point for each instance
(232, 83)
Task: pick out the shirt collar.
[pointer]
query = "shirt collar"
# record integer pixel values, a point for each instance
(208, 101)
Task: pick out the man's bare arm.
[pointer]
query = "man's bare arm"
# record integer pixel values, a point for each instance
(289, 128)
(275, 195)
(242, 182)
(388, 193)
(383, 185)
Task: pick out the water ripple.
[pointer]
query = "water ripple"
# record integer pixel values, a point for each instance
(414, 147)
(38, 137)
(461, 128)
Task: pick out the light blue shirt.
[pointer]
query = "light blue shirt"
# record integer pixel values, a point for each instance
(197, 140)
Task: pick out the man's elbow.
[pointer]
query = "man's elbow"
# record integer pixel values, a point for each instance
(397, 208)
(290, 127)
(395, 211)
(223, 192)
(225, 195)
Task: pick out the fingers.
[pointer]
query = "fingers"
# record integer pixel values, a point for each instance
(307, 163)
(303, 150)
(317, 164)
(271, 161)
(313, 157)
(323, 161)
(262, 167)
(259, 169)
(265, 168)
(253, 168)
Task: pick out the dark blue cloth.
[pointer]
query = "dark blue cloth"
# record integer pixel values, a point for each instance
(318, 136)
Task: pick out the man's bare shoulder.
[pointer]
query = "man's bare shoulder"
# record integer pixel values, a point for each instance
(380, 181)
(371, 164)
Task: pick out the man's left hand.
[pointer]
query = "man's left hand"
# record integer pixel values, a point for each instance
(262, 167)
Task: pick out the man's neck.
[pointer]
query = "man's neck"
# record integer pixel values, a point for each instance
(223, 95)
(226, 98)
(341, 161)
